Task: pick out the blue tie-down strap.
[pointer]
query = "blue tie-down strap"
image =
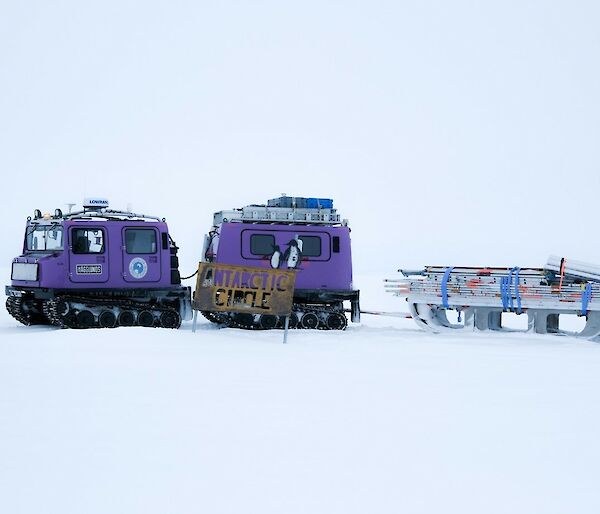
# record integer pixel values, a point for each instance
(445, 288)
(511, 305)
(517, 293)
(586, 296)
(506, 291)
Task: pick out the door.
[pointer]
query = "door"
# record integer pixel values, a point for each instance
(141, 255)
(88, 255)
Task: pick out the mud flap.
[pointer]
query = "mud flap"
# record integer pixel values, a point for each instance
(355, 311)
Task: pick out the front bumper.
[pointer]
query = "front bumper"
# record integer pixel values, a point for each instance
(35, 292)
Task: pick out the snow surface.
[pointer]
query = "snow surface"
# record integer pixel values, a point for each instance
(381, 418)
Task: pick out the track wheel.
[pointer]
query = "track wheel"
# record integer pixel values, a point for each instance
(146, 319)
(107, 319)
(126, 319)
(85, 319)
(268, 321)
(70, 320)
(310, 320)
(293, 323)
(62, 308)
(336, 321)
(170, 319)
(245, 319)
(23, 310)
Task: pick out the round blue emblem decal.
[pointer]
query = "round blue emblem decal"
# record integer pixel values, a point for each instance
(138, 267)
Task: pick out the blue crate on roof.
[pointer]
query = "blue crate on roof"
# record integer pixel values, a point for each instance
(300, 202)
(319, 203)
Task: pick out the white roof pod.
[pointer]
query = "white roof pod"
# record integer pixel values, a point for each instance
(95, 204)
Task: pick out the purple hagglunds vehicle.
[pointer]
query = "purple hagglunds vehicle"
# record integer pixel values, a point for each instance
(97, 268)
(291, 233)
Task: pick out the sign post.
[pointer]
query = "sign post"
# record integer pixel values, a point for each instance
(226, 288)
(285, 329)
(195, 321)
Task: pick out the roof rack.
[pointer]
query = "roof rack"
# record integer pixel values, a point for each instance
(108, 214)
(287, 215)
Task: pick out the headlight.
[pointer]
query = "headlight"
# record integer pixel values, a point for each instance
(24, 271)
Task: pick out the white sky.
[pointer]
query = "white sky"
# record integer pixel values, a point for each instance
(447, 132)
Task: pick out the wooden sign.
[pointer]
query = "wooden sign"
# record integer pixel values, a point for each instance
(225, 288)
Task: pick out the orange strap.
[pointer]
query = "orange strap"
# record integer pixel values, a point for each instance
(563, 262)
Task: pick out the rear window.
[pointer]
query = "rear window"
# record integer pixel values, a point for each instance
(336, 244)
(140, 240)
(262, 244)
(311, 246)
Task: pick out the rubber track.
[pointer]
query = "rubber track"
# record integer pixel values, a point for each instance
(14, 306)
(297, 309)
(70, 321)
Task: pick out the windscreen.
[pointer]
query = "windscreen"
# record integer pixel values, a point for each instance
(42, 238)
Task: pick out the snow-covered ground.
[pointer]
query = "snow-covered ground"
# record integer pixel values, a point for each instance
(380, 418)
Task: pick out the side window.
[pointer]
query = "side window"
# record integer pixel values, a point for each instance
(311, 246)
(87, 240)
(140, 240)
(262, 244)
